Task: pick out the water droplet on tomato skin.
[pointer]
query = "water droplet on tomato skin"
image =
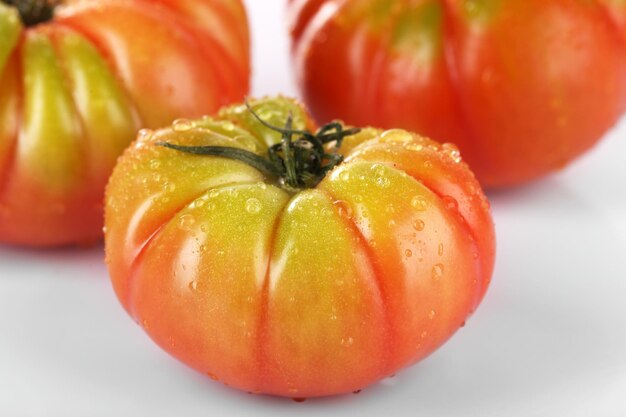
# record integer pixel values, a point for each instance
(408, 253)
(344, 209)
(437, 272)
(419, 203)
(450, 203)
(347, 342)
(440, 250)
(415, 147)
(186, 222)
(453, 152)
(145, 135)
(213, 376)
(419, 225)
(182, 125)
(253, 206)
(383, 182)
(228, 126)
(396, 135)
(432, 314)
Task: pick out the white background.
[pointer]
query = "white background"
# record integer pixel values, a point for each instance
(549, 339)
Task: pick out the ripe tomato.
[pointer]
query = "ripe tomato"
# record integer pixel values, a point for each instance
(300, 275)
(75, 88)
(521, 86)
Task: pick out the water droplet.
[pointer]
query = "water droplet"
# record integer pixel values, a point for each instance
(193, 285)
(182, 125)
(383, 182)
(228, 126)
(396, 135)
(344, 209)
(450, 203)
(155, 164)
(452, 152)
(428, 164)
(419, 203)
(432, 314)
(202, 248)
(416, 147)
(408, 253)
(186, 222)
(347, 342)
(440, 249)
(213, 376)
(253, 206)
(344, 176)
(419, 225)
(198, 203)
(437, 272)
(424, 334)
(144, 135)
(145, 324)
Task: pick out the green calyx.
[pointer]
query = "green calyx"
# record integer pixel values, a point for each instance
(33, 12)
(301, 159)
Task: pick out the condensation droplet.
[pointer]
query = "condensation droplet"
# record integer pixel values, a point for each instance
(450, 203)
(186, 222)
(408, 253)
(228, 126)
(440, 250)
(419, 225)
(347, 342)
(423, 335)
(396, 135)
(344, 176)
(344, 209)
(432, 314)
(144, 135)
(452, 152)
(213, 376)
(182, 125)
(419, 203)
(193, 285)
(253, 206)
(437, 272)
(155, 164)
(416, 147)
(383, 182)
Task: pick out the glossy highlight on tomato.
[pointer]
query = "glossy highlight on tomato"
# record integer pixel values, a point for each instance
(79, 81)
(296, 292)
(523, 87)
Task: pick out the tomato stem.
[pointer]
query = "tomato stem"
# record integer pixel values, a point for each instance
(34, 12)
(296, 163)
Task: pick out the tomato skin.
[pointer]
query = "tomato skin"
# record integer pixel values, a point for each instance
(75, 90)
(523, 87)
(299, 294)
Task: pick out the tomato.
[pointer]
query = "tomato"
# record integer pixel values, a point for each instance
(75, 88)
(301, 274)
(521, 86)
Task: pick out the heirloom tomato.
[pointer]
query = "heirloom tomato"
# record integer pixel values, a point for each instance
(521, 86)
(292, 263)
(78, 78)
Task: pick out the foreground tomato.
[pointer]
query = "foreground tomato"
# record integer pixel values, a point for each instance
(521, 86)
(74, 90)
(304, 276)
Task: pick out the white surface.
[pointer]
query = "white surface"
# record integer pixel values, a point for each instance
(549, 339)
